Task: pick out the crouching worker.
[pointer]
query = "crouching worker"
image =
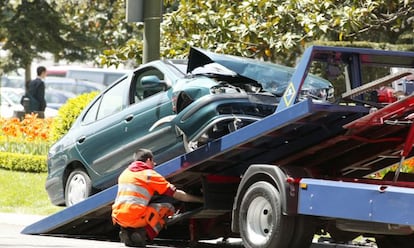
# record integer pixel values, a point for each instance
(133, 211)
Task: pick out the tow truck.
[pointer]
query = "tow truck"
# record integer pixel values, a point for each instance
(309, 168)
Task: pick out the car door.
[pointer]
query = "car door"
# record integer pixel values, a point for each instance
(149, 105)
(103, 132)
(120, 122)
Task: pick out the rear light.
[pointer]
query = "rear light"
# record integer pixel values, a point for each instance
(386, 95)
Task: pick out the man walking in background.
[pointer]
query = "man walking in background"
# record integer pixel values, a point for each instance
(36, 91)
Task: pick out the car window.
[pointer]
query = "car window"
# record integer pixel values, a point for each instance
(62, 86)
(84, 89)
(90, 116)
(140, 92)
(113, 100)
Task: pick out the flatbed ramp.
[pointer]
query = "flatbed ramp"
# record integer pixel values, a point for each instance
(307, 127)
(236, 150)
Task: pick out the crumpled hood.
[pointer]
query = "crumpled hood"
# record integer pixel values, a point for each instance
(273, 77)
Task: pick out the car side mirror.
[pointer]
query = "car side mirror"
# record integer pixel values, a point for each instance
(153, 82)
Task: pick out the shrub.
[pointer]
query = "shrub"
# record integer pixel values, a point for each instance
(23, 162)
(68, 113)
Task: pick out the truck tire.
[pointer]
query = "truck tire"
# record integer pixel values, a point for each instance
(262, 223)
(303, 232)
(78, 187)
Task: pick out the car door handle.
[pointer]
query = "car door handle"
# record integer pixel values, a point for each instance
(129, 118)
(81, 139)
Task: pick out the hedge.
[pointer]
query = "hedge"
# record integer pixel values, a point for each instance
(23, 162)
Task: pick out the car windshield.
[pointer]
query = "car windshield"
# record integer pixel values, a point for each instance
(13, 95)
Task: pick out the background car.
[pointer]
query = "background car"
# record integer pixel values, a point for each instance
(56, 98)
(10, 103)
(171, 107)
(103, 76)
(12, 81)
(58, 89)
(73, 86)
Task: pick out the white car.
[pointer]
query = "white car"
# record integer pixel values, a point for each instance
(10, 103)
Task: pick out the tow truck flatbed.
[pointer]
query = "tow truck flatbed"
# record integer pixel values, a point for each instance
(340, 143)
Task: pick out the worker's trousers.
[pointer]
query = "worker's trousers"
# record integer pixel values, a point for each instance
(155, 217)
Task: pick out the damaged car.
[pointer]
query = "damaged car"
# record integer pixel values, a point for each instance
(171, 107)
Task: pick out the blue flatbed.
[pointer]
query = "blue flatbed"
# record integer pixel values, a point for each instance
(336, 142)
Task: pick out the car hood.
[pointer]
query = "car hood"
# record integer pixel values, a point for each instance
(273, 77)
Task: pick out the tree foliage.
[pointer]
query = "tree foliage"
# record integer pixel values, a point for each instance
(32, 27)
(104, 21)
(277, 30)
(74, 30)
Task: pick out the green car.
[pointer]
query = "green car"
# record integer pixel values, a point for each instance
(171, 107)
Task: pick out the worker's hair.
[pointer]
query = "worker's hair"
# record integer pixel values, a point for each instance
(40, 70)
(143, 155)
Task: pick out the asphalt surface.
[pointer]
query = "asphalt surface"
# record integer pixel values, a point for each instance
(11, 226)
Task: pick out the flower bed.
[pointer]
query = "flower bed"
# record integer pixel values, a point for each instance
(24, 143)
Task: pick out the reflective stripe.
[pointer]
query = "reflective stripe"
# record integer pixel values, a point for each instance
(131, 200)
(158, 206)
(149, 174)
(157, 228)
(134, 188)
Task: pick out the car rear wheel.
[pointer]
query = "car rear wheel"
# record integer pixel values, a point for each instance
(78, 187)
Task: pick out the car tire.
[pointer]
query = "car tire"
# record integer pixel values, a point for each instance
(262, 223)
(78, 187)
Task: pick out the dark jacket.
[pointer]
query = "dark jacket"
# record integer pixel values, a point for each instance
(36, 93)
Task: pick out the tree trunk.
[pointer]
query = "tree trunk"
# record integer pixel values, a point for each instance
(27, 75)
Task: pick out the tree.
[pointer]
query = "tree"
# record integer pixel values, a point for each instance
(278, 30)
(33, 27)
(73, 30)
(102, 20)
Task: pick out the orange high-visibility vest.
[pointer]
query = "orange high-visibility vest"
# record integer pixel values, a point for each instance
(135, 190)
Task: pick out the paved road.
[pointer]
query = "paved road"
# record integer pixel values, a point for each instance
(12, 224)
(10, 237)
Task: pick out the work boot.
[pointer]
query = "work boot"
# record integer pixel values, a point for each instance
(123, 235)
(132, 237)
(138, 237)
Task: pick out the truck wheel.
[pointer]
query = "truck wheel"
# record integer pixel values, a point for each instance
(303, 233)
(262, 224)
(78, 187)
(393, 241)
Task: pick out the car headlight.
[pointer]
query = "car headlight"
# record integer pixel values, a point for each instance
(321, 94)
(222, 88)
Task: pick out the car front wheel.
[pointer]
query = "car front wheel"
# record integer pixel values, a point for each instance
(78, 187)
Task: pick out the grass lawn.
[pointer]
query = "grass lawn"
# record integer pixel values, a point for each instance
(24, 192)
